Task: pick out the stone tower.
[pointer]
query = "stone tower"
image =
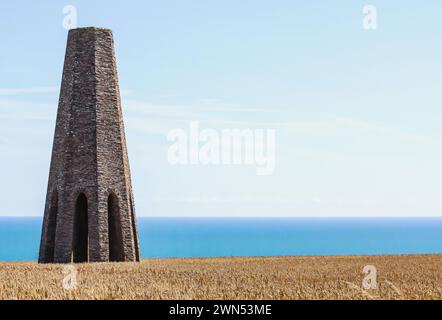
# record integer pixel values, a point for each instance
(89, 214)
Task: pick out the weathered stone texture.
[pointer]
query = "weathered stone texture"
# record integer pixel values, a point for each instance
(89, 158)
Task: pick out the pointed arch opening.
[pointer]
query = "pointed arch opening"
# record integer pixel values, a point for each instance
(80, 245)
(51, 228)
(116, 252)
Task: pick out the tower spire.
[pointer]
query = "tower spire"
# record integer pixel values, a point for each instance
(89, 214)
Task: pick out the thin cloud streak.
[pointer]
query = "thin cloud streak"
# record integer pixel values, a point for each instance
(174, 115)
(29, 90)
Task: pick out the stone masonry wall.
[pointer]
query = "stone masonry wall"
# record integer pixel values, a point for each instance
(89, 154)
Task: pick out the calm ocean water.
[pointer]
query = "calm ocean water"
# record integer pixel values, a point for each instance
(171, 237)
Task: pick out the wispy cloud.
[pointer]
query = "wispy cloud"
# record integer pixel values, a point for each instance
(29, 90)
(204, 108)
(389, 131)
(45, 89)
(26, 110)
(232, 199)
(159, 118)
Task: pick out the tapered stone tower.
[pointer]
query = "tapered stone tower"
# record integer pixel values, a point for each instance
(89, 214)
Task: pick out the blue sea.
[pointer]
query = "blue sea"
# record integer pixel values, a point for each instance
(225, 237)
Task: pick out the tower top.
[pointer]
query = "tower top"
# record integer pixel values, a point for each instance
(90, 29)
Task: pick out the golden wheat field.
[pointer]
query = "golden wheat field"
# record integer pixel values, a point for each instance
(333, 277)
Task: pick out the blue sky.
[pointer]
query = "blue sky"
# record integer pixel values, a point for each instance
(357, 113)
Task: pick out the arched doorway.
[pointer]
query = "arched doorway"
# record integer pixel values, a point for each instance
(116, 252)
(80, 243)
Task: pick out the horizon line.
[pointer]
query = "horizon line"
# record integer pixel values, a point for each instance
(254, 217)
